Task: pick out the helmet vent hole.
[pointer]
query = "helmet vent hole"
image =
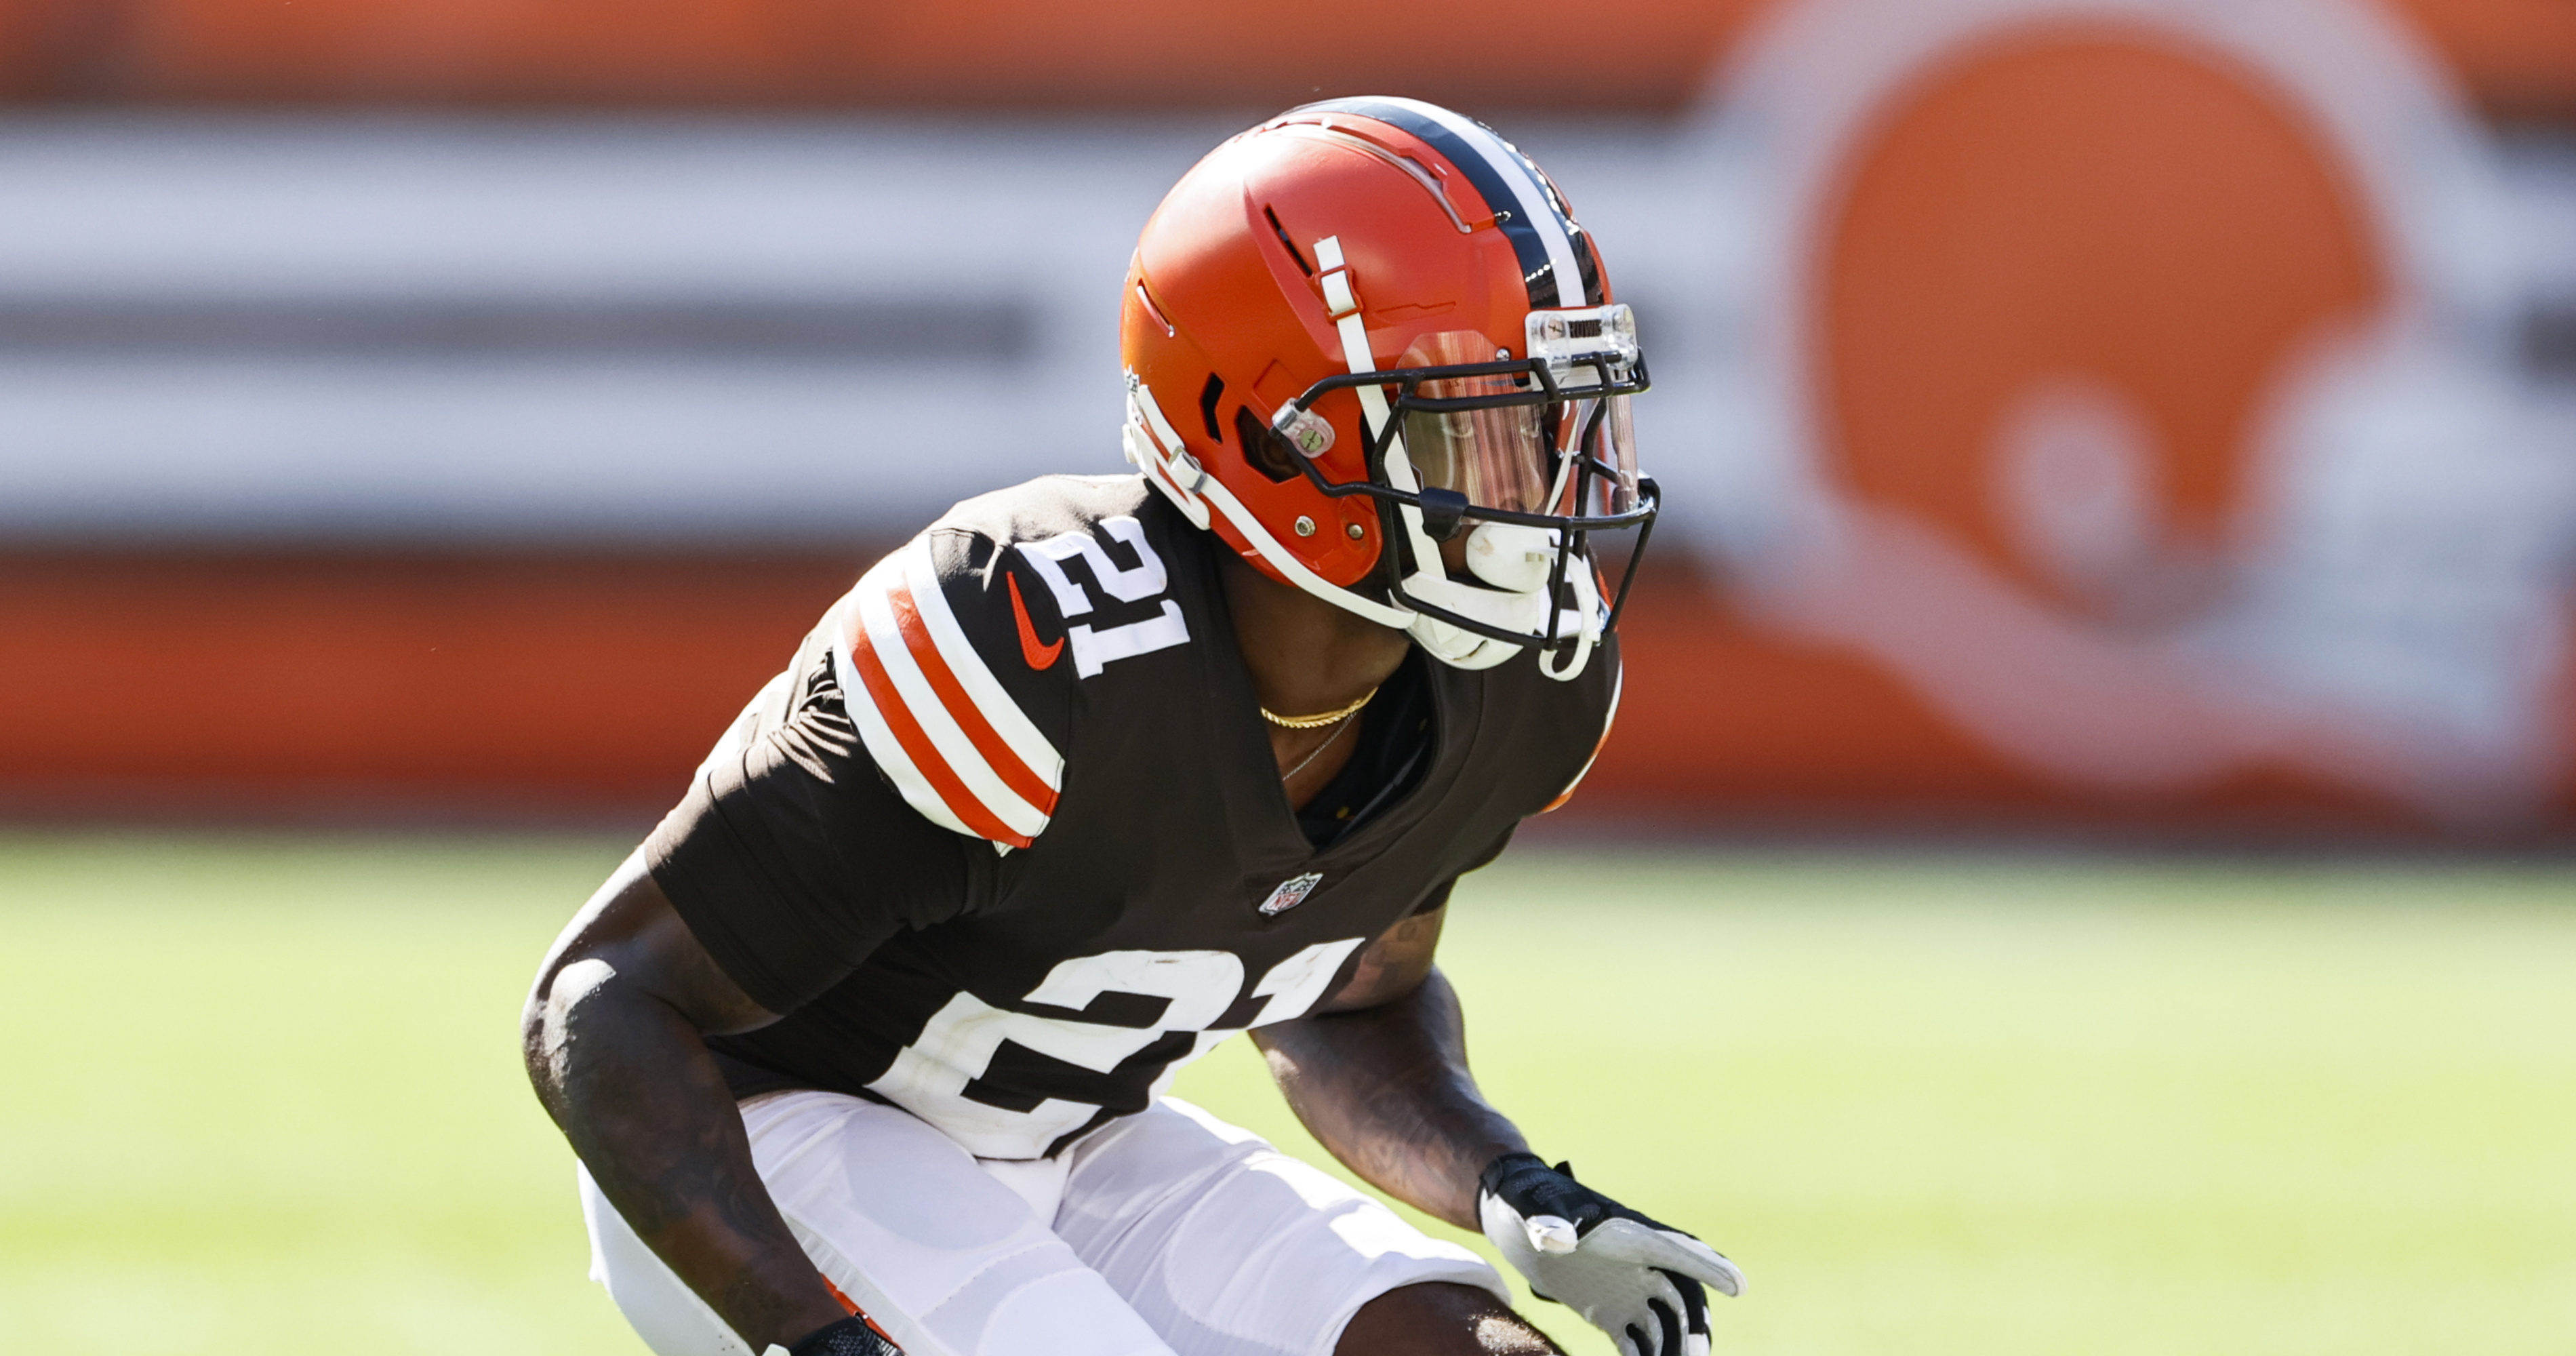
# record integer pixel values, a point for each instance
(1264, 450)
(1287, 244)
(1209, 395)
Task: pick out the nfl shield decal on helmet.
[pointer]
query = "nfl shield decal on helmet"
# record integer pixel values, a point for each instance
(1291, 893)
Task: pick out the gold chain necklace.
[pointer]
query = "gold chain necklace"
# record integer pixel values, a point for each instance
(1317, 722)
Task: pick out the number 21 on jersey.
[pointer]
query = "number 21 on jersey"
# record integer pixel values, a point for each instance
(1096, 647)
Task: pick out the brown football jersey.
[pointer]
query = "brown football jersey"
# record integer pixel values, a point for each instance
(1006, 842)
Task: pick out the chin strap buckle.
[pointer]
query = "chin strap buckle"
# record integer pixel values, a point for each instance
(1155, 448)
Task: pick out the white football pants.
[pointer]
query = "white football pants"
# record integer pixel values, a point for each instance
(1168, 1233)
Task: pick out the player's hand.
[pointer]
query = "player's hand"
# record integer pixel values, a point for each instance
(1633, 1278)
(852, 1336)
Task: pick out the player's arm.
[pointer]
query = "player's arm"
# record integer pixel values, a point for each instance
(1378, 1072)
(810, 836)
(612, 1041)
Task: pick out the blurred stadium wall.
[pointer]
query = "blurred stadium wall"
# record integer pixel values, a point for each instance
(2100, 415)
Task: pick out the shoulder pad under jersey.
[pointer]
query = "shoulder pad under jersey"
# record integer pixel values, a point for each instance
(1609, 719)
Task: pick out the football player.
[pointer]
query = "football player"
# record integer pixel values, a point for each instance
(865, 1048)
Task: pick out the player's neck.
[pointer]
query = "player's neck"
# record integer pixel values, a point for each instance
(1305, 654)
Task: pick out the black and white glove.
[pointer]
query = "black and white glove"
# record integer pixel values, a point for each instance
(852, 1336)
(1633, 1278)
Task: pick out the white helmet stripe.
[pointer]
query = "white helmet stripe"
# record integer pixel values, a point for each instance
(1531, 202)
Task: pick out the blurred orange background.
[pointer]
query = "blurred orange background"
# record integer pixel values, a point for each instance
(2518, 57)
(2157, 221)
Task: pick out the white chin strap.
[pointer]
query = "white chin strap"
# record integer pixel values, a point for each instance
(1515, 560)
(1513, 611)
(1499, 554)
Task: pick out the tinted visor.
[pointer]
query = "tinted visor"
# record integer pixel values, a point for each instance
(1515, 446)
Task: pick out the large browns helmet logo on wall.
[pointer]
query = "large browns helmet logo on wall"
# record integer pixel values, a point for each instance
(2117, 373)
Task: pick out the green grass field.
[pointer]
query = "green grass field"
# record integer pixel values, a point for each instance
(262, 1095)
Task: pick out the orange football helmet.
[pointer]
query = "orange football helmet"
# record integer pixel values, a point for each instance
(1368, 345)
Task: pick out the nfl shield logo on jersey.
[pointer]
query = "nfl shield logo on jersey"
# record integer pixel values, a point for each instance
(1291, 893)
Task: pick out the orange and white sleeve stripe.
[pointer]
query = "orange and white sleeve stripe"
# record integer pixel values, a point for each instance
(932, 714)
